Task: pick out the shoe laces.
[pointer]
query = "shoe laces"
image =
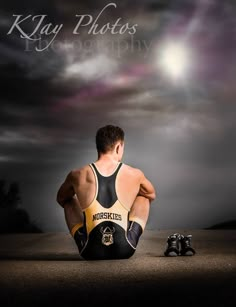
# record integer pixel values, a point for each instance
(187, 240)
(172, 240)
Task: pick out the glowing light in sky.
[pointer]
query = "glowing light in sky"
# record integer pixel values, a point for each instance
(175, 59)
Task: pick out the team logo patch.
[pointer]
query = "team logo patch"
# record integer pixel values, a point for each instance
(107, 235)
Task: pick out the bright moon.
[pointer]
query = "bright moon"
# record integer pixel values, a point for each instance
(175, 60)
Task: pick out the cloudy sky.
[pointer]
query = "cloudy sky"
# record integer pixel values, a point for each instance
(165, 71)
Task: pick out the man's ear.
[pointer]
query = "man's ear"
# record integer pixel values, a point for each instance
(117, 148)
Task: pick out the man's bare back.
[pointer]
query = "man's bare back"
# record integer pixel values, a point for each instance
(130, 183)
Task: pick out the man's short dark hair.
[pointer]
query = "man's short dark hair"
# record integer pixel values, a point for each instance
(107, 137)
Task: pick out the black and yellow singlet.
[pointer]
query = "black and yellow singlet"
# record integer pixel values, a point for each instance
(107, 232)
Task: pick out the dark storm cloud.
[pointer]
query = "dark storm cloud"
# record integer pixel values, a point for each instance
(53, 101)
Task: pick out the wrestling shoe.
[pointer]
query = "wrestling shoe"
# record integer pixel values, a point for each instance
(186, 248)
(173, 245)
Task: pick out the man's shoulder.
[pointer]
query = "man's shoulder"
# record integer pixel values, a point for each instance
(133, 170)
(78, 172)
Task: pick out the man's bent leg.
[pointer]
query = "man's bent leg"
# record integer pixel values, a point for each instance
(75, 222)
(138, 217)
(73, 215)
(140, 211)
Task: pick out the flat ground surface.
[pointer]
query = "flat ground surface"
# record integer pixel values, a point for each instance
(45, 269)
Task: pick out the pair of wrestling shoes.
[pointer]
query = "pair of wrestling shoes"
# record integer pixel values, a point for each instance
(179, 245)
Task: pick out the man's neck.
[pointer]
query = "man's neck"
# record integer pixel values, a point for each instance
(108, 158)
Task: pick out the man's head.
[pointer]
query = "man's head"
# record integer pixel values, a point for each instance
(110, 139)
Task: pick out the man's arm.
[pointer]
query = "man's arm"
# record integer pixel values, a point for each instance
(146, 188)
(66, 191)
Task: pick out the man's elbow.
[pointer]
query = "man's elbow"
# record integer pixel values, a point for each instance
(63, 200)
(60, 200)
(152, 196)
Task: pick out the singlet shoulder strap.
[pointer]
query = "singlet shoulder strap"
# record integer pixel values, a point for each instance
(115, 172)
(106, 190)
